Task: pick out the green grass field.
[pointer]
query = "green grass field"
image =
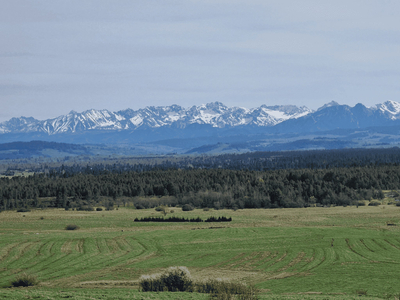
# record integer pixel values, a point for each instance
(308, 253)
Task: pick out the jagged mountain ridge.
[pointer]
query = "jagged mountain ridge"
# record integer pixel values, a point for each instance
(333, 116)
(282, 118)
(215, 114)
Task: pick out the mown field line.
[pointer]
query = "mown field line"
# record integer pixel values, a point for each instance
(8, 250)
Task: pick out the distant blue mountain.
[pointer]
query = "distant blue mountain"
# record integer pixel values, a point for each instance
(203, 127)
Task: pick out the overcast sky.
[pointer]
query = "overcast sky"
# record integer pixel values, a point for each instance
(58, 55)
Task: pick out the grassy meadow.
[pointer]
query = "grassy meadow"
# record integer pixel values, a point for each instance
(305, 253)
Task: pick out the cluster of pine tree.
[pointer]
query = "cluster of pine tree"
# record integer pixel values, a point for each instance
(219, 219)
(178, 219)
(255, 161)
(214, 188)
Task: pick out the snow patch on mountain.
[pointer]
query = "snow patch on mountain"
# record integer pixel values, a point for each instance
(215, 114)
(330, 104)
(390, 108)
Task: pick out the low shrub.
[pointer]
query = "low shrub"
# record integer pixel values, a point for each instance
(361, 292)
(71, 227)
(187, 207)
(179, 279)
(25, 279)
(170, 219)
(23, 209)
(219, 219)
(397, 203)
(85, 208)
(360, 203)
(99, 209)
(162, 209)
(374, 203)
(222, 289)
(172, 280)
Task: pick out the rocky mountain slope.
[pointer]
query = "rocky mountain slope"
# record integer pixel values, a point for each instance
(215, 114)
(214, 127)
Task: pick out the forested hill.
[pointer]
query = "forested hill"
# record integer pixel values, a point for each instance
(256, 161)
(202, 188)
(18, 150)
(253, 180)
(39, 145)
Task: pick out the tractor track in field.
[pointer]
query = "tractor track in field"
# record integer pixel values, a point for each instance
(100, 256)
(354, 251)
(391, 244)
(379, 244)
(230, 260)
(9, 249)
(369, 249)
(313, 260)
(26, 254)
(294, 262)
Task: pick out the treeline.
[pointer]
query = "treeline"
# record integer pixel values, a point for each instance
(178, 219)
(213, 188)
(18, 150)
(254, 161)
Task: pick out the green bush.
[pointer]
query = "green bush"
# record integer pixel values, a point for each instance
(187, 207)
(374, 203)
(23, 210)
(71, 227)
(361, 292)
(85, 208)
(25, 279)
(99, 209)
(172, 280)
(177, 279)
(225, 290)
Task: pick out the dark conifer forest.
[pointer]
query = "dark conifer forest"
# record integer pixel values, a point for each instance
(331, 178)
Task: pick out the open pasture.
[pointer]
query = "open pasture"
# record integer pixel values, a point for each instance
(307, 253)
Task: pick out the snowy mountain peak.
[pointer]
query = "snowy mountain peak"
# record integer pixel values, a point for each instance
(389, 107)
(215, 113)
(330, 104)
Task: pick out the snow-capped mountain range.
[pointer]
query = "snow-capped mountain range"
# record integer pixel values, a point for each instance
(215, 114)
